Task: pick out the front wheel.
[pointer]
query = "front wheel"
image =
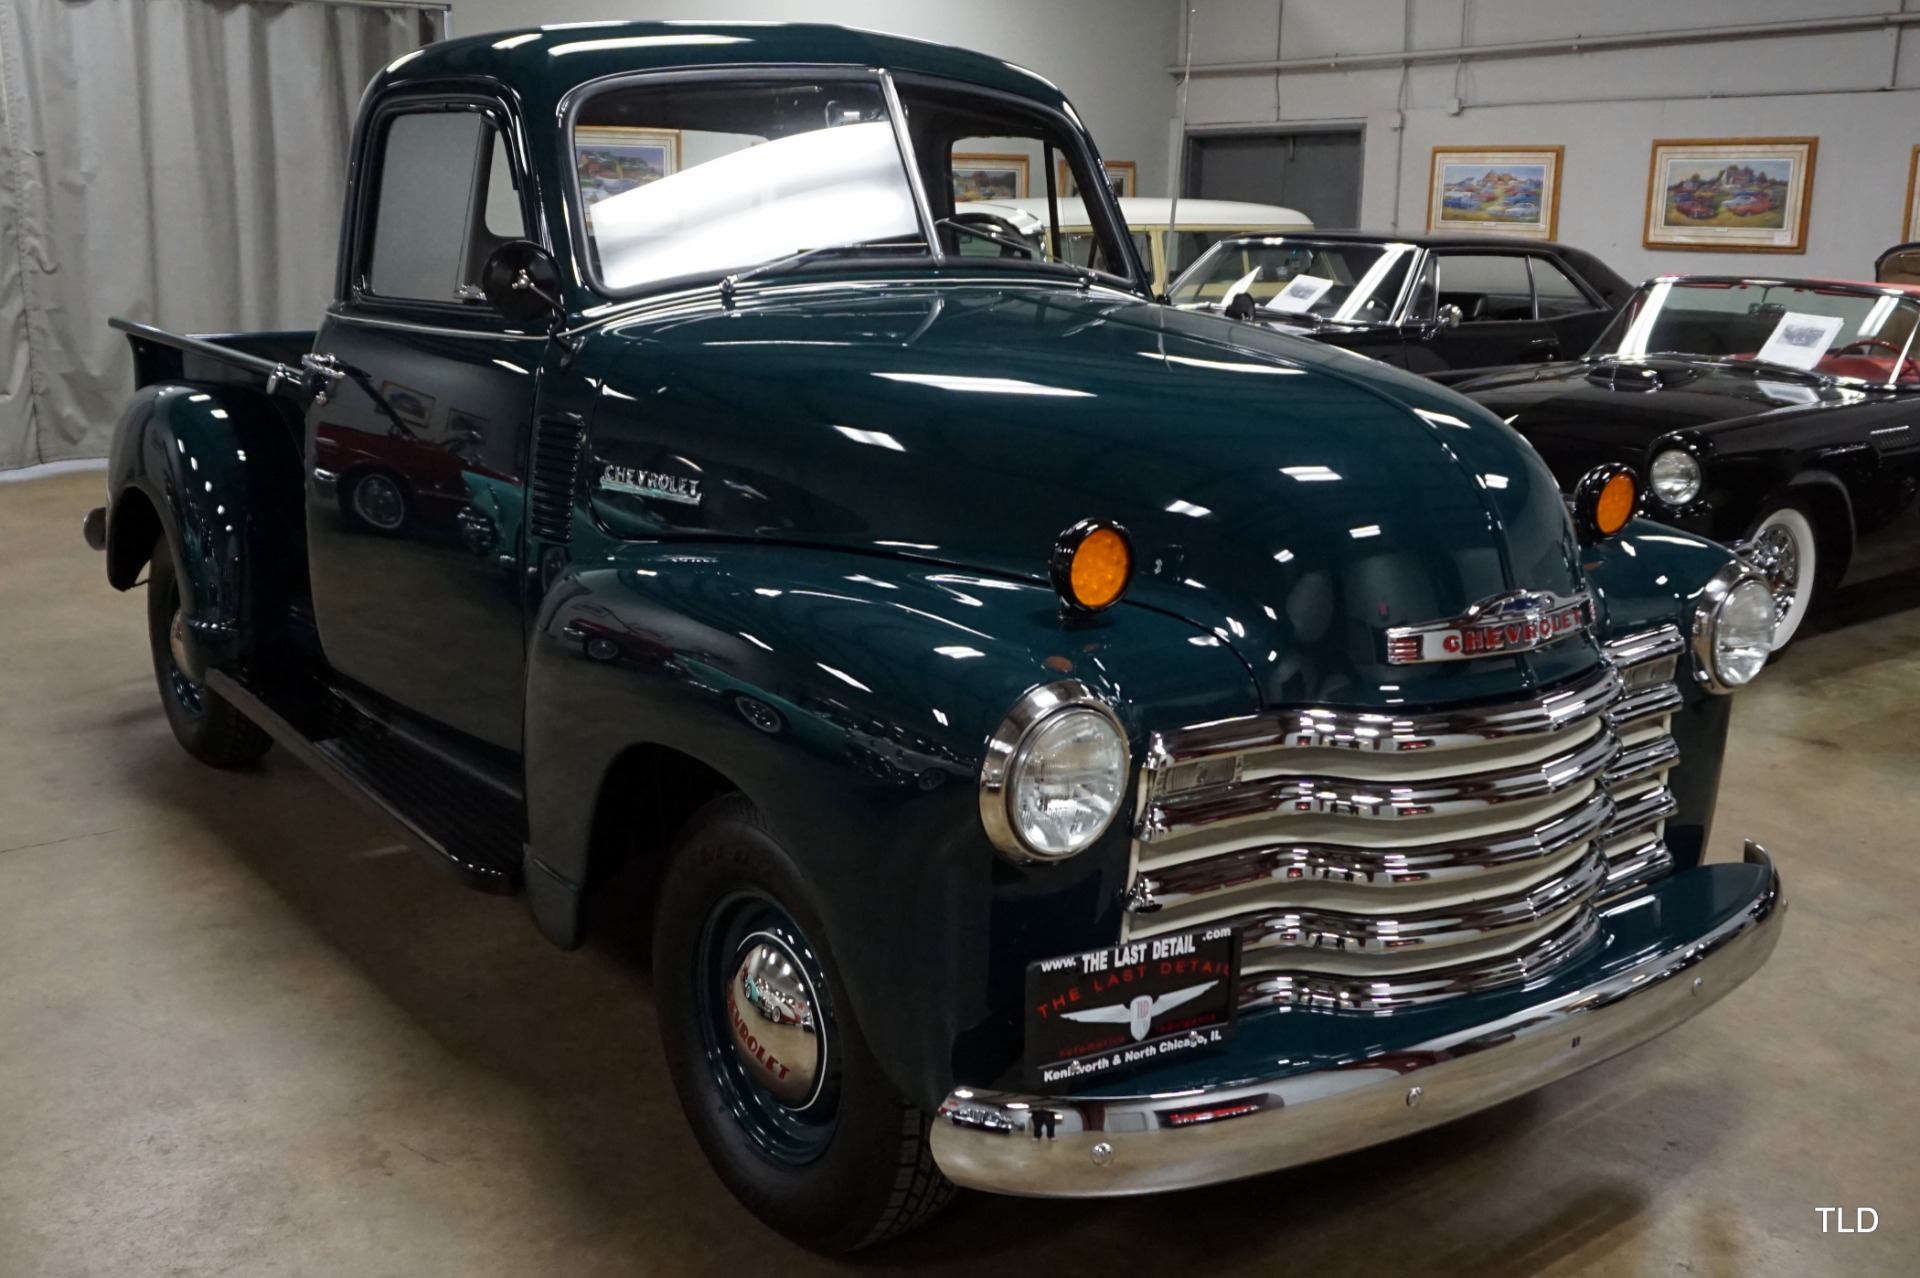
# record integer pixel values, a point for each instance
(782, 1091)
(202, 720)
(1786, 549)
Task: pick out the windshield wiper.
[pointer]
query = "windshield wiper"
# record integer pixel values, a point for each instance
(781, 265)
(1007, 241)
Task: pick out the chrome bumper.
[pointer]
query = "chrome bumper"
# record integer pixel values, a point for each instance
(1102, 1146)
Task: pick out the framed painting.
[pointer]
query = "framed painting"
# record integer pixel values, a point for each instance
(1489, 191)
(613, 159)
(1911, 224)
(1748, 195)
(1122, 175)
(989, 177)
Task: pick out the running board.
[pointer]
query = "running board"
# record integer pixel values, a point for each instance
(465, 824)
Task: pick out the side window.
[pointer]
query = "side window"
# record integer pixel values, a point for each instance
(446, 200)
(1555, 292)
(1486, 287)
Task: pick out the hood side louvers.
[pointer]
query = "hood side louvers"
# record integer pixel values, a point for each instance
(557, 444)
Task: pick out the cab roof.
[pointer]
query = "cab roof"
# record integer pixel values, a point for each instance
(542, 64)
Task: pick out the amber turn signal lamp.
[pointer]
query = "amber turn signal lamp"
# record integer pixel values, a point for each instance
(1092, 564)
(1604, 500)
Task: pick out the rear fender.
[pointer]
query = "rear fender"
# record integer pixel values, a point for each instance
(850, 697)
(191, 465)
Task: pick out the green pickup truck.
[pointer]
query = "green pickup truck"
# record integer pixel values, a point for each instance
(1075, 746)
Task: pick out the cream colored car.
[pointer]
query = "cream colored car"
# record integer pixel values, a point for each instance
(1202, 223)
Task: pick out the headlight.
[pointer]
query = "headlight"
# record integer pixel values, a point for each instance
(1733, 629)
(1675, 477)
(1055, 774)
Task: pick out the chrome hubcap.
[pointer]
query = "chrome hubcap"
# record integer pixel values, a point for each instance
(1774, 552)
(377, 501)
(770, 1011)
(177, 639)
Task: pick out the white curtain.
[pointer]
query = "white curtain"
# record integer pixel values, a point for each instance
(176, 161)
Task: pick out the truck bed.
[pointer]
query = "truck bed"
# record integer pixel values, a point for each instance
(246, 359)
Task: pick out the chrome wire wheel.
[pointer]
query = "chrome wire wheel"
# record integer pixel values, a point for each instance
(1784, 549)
(768, 1028)
(377, 499)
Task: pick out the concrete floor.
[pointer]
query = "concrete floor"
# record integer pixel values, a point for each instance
(243, 1031)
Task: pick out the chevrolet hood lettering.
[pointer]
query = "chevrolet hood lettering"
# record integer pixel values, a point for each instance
(1505, 624)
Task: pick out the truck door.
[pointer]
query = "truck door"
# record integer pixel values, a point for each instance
(417, 458)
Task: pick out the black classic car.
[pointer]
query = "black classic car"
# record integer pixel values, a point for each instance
(1782, 414)
(1069, 746)
(1445, 307)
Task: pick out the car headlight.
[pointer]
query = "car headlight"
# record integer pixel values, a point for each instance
(1733, 629)
(1675, 477)
(1055, 774)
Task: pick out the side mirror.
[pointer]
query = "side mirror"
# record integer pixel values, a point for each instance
(523, 284)
(1448, 316)
(1241, 307)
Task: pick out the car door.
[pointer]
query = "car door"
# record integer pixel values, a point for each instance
(416, 454)
(1492, 294)
(1572, 312)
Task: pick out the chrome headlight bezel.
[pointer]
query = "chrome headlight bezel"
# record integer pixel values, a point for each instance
(1706, 626)
(1007, 753)
(1691, 478)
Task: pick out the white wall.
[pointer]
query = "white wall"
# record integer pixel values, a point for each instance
(1108, 56)
(1859, 93)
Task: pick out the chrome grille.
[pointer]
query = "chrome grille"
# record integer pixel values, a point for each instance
(1375, 860)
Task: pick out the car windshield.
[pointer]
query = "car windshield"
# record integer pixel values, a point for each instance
(705, 178)
(1846, 332)
(1349, 283)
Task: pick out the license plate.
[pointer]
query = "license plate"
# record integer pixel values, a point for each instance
(1132, 1004)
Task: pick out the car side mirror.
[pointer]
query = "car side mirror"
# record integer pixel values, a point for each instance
(523, 284)
(1448, 316)
(1241, 307)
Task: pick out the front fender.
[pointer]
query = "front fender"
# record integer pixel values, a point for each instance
(1647, 576)
(189, 458)
(850, 696)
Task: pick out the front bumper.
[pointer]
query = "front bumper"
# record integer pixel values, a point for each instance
(1673, 950)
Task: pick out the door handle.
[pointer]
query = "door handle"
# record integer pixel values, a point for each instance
(1545, 347)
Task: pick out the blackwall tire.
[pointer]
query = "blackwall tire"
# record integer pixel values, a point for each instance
(202, 721)
(1784, 543)
(838, 1160)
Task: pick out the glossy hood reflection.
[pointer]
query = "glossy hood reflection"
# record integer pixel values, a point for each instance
(1293, 501)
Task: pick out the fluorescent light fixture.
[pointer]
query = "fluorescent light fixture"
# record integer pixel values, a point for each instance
(510, 366)
(843, 676)
(959, 652)
(1441, 419)
(641, 42)
(878, 438)
(1225, 366)
(1282, 557)
(1310, 474)
(985, 385)
(1364, 530)
(1494, 481)
(514, 42)
(756, 642)
(1180, 507)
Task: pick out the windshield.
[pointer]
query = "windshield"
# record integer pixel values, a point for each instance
(1847, 333)
(1348, 283)
(691, 179)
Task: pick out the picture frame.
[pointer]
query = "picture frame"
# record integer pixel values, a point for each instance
(1730, 195)
(1509, 191)
(1122, 175)
(610, 159)
(989, 177)
(1910, 225)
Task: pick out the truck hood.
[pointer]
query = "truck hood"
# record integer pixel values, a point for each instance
(1291, 500)
(1583, 413)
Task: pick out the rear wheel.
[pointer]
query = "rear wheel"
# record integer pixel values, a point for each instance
(782, 1091)
(1785, 546)
(204, 722)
